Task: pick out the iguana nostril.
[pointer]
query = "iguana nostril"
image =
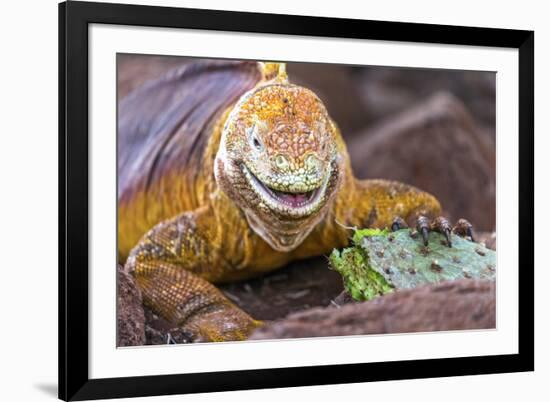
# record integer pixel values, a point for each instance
(281, 162)
(312, 162)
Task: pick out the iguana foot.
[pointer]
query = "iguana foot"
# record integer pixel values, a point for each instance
(228, 323)
(440, 224)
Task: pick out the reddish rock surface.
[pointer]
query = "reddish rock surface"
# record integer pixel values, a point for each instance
(388, 91)
(457, 305)
(130, 316)
(487, 238)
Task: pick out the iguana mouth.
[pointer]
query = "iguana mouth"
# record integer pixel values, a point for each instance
(294, 200)
(296, 203)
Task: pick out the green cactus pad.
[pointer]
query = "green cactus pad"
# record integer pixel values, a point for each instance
(380, 262)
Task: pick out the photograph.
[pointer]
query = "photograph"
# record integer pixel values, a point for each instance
(264, 200)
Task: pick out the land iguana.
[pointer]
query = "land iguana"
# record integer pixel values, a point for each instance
(226, 171)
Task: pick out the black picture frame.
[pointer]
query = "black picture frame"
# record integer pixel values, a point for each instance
(74, 18)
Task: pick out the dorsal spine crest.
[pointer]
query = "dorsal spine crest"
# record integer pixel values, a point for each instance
(275, 72)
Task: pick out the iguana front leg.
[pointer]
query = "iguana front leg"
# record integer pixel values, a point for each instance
(376, 203)
(171, 265)
(389, 204)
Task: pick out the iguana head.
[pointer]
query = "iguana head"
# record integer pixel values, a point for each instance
(279, 162)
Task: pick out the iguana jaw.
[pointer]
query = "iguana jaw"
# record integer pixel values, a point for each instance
(282, 228)
(284, 236)
(290, 203)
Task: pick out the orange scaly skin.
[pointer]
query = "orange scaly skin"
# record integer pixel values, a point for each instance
(275, 186)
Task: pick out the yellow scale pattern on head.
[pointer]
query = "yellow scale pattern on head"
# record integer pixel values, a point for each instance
(290, 114)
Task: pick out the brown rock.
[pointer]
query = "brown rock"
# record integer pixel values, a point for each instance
(130, 316)
(336, 85)
(300, 285)
(437, 147)
(388, 91)
(457, 305)
(487, 238)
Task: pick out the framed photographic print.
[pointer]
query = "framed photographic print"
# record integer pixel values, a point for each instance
(258, 200)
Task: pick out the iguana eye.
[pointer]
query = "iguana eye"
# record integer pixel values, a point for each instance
(256, 143)
(254, 140)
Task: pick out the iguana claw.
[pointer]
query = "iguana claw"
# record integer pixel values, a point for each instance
(398, 223)
(440, 224)
(423, 227)
(464, 228)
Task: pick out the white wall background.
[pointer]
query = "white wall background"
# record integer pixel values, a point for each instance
(28, 199)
